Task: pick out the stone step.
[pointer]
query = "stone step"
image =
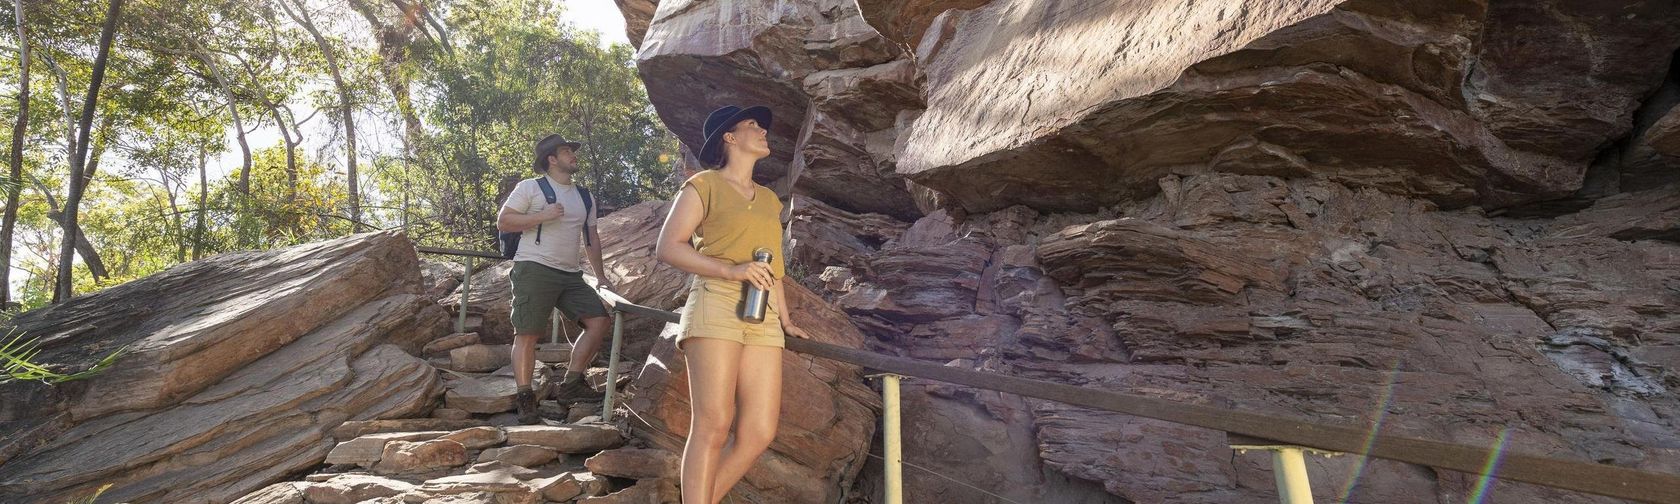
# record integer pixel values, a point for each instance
(554, 352)
(358, 428)
(368, 449)
(443, 345)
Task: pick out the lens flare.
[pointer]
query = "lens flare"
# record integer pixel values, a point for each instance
(1377, 418)
(1490, 468)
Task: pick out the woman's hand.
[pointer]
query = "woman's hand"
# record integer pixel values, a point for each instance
(756, 272)
(792, 330)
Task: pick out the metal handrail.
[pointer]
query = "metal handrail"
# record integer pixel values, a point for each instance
(459, 252)
(1588, 477)
(1581, 476)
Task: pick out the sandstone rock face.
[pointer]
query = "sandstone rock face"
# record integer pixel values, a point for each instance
(231, 381)
(835, 85)
(828, 414)
(1311, 300)
(1440, 100)
(1445, 219)
(829, 236)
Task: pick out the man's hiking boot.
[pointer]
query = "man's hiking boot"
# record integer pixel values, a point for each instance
(573, 387)
(526, 402)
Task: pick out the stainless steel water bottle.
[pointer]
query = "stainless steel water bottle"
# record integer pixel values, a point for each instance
(755, 301)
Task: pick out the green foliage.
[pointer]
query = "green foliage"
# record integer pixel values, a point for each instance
(17, 362)
(517, 75)
(441, 130)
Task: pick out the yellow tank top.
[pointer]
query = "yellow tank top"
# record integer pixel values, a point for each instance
(734, 225)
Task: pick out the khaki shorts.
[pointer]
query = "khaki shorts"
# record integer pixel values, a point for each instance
(711, 313)
(539, 289)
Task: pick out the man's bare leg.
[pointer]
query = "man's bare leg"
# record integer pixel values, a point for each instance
(524, 364)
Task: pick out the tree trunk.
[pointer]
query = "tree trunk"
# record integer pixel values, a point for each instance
(291, 151)
(302, 18)
(9, 223)
(67, 259)
(63, 84)
(84, 248)
(175, 229)
(233, 109)
(203, 206)
(394, 41)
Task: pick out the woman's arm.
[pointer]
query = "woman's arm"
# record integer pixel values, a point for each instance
(675, 249)
(786, 314)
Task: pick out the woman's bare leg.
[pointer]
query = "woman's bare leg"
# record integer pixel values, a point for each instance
(759, 396)
(712, 367)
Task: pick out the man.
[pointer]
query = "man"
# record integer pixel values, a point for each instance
(547, 272)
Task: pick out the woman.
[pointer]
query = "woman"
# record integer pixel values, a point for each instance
(734, 366)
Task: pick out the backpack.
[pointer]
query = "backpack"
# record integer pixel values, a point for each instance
(510, 241)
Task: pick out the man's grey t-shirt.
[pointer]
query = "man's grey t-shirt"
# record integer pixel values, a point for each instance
(562, 238)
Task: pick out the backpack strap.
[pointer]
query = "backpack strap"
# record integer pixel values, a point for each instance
(588, 210)
(548, 194)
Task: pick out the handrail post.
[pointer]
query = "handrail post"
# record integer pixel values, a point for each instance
(466, 292)
(1290, 470)
(1289, 466)
(612, 367)
(891, 445)
(554, 327)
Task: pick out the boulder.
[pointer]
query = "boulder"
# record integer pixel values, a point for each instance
(480, 358)
(520, 455)
(448, 343)
(477, 438)
(406, 457)
(633, 463)
(481, 394)
(358, 428)
(580, 438)
(565, 487)
(233, 380)
(495, 487)
(278, 493)
(521, 472)
(367, 449)
(776, 54)
(651, 491)
(354, 488)
(828, 414)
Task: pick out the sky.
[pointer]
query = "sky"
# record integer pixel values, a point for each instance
(372, 136)
(598, 15)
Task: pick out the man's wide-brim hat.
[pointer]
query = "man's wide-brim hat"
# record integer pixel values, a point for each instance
(721, 121)
(545, 147)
